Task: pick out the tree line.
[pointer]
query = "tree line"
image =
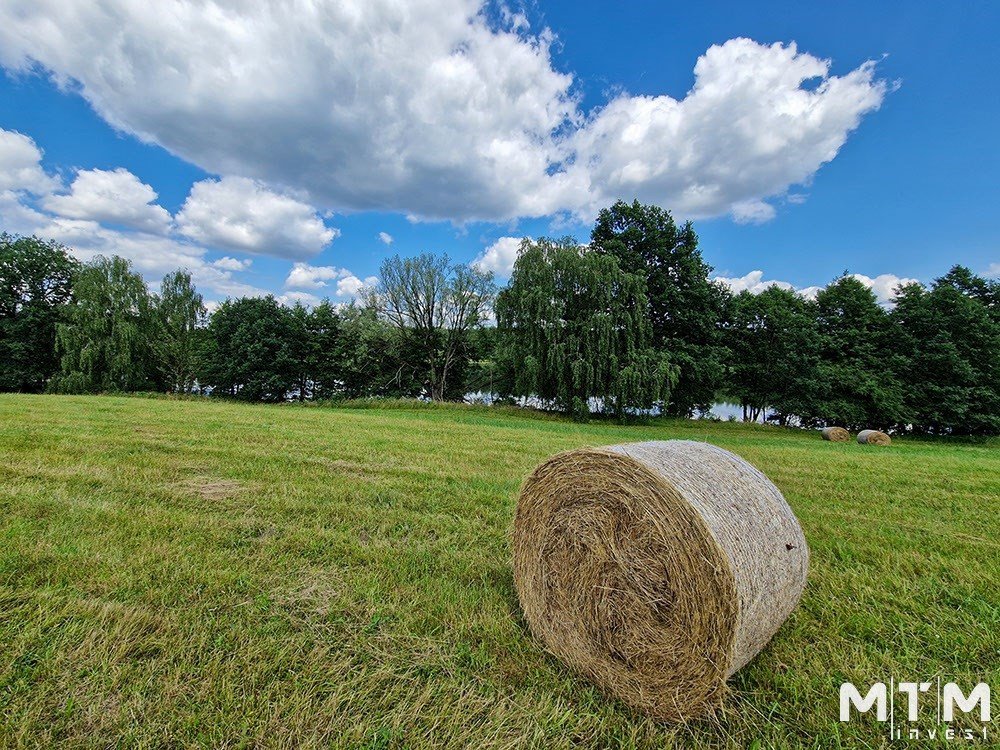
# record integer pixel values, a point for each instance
(628, 324)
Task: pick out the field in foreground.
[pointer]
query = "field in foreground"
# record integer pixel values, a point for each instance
(181, 573)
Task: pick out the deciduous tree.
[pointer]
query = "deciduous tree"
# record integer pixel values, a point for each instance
(573, 327)
(855, 384)
(949, 340)
(35, 285)
(179, 310)
(250, 352)
(685, 309)
(106, 341)
(774, 347)
(433, 304)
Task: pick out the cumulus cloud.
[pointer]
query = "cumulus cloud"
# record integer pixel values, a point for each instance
(385, 238)
(232, 264)
(499, 257)
(112, 212)
(237, 213)
(152, 254)
(752, 212)
(114, 196)
(993, 270)
(350, 286)
(435, 108)
(304, 276)
(752, 282)
(748, 129)
(304, 298)
(20, 164)
(883, 285)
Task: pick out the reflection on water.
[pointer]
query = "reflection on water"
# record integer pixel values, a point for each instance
(723, 410)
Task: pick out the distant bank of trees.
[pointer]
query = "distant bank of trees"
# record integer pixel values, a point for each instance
(630, 322)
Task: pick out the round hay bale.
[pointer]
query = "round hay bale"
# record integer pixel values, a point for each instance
(873, 437)
(836, 434)
(656, 569)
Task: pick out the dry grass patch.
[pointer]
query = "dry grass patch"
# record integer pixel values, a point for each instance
(208, 488)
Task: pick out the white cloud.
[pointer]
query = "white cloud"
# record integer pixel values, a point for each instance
(153, 255)
(752, 282)
(237, 213)
(993, 270)
(499, 257)
(428, 109)
(350, 286)
(232, 264)
(112, 196)
(385, 238)
(883, 285)
(752, 212)
(305, 298)
(20, 164)
(809, 292)
(746, 131)
(304, 276)
(16, 216)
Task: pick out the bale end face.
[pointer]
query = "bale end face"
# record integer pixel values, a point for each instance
(836, 434)
(656, 569)
(873, 437)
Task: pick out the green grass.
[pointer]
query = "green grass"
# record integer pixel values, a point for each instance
(196, 573)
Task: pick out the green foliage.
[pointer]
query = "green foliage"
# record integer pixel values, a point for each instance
(631, 324)
(106, 341)
(573, 327)
(179, 310)
(252, 350)
(685, 309)
(318, 363)
(367, 357)
(949, 342)
(855, 384)
(774, 348)
(433, 305)
(35, 285)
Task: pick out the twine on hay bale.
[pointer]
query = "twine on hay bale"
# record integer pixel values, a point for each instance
(873, 437)
(656, 569)
(836, 434)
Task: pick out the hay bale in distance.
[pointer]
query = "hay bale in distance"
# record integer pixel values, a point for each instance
(873, 437)
(656, 569)
(836, 434)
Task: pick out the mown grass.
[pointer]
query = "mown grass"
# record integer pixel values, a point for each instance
(196, 573)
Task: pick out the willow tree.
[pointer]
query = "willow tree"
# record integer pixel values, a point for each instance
(106, 341)
(180, 309)
(573, 327)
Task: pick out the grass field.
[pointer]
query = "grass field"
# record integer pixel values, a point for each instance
(191, 573)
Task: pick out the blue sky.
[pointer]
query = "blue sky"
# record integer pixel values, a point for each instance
(451, 128)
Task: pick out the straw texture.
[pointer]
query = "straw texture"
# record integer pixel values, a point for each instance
(873, 437)
(836, 434)
(656, 569)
